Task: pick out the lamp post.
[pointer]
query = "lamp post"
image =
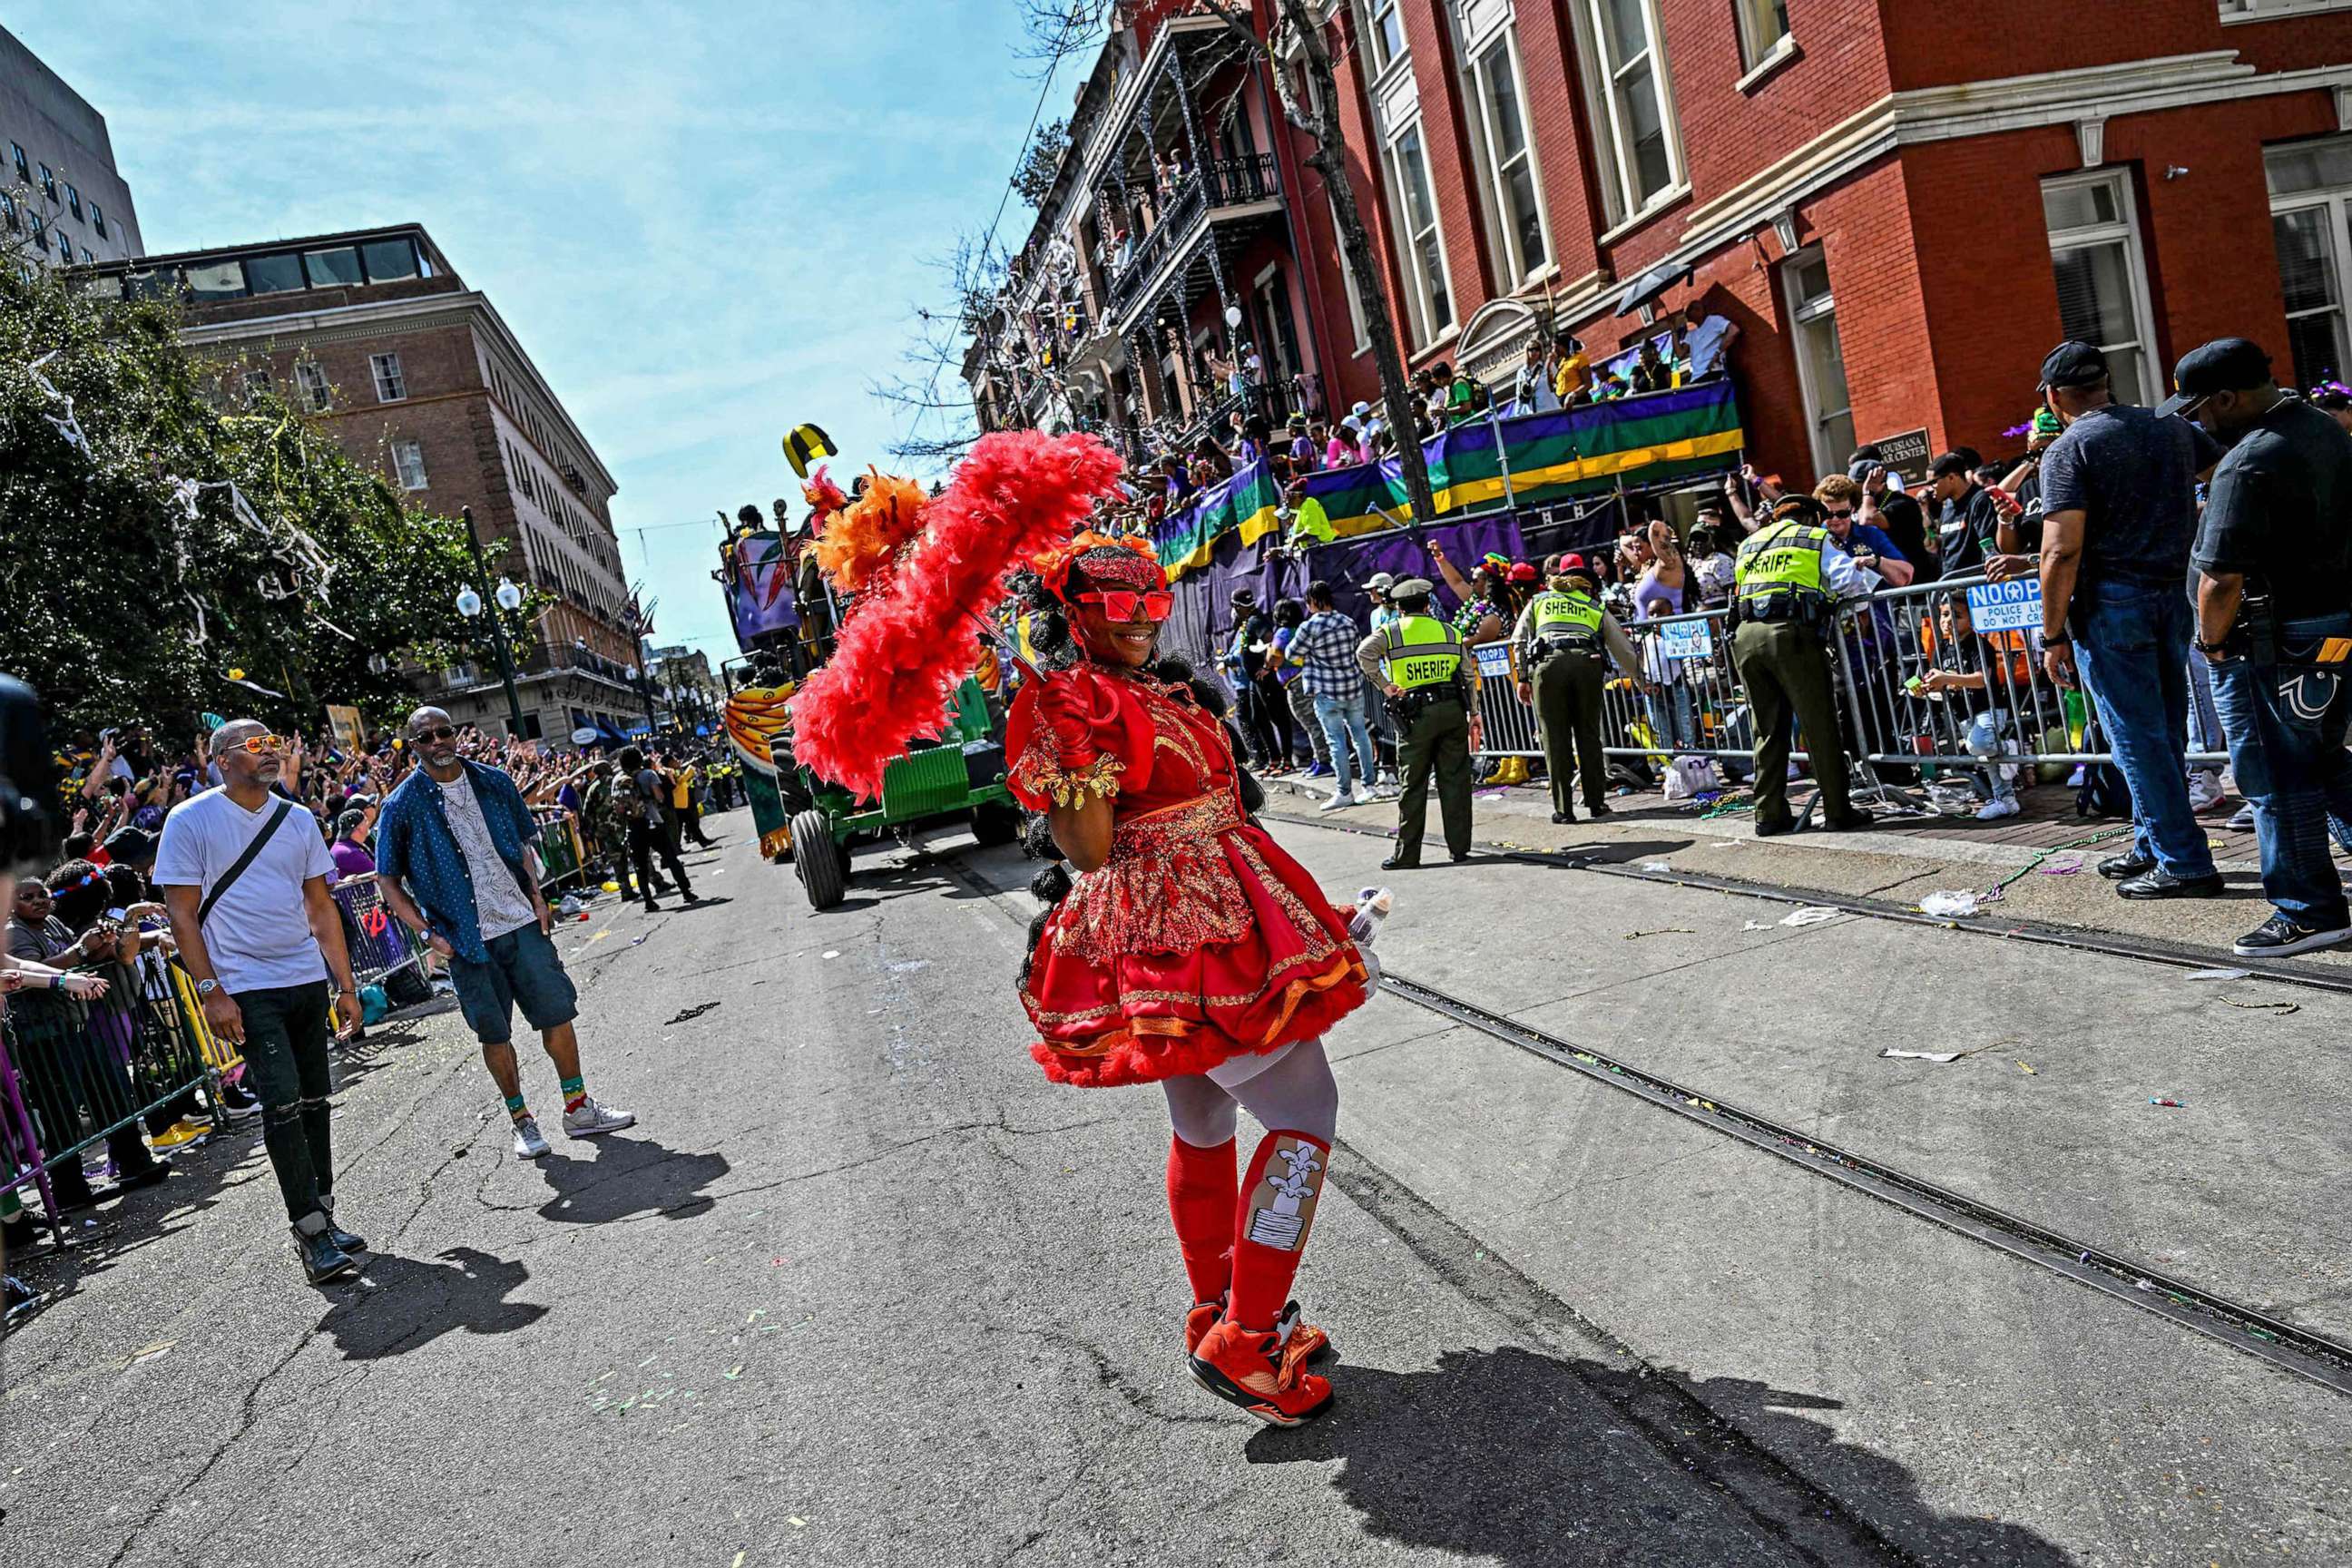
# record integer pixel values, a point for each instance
(507, 597)
(643, 682)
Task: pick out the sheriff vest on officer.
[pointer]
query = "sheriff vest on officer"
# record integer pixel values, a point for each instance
(1424, 669)
(1561, 640)
(1790, 576)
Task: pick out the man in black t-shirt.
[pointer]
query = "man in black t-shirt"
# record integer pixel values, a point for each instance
(1900, 518)
(2274, 556)
(1967, 518)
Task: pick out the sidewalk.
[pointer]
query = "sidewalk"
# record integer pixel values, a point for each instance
(1900, 861)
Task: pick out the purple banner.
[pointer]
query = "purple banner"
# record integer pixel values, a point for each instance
(758, 586)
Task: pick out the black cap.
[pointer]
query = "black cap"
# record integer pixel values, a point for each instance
(1953, 463)
(2225, 364)
(130, 846)
(2073, 364)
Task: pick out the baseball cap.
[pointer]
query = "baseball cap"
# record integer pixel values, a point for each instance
(1242, 597)
(1411, 588)
(1380, 581)
(130, 846)
(1951, 463)
(2073, 364)
(2225, 364)
(1572, 565)
(1523, 572)
(1360, 409)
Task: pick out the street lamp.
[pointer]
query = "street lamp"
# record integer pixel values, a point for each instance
(509, 598)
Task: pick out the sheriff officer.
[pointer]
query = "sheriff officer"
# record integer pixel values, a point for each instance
(1790, 578)
(1432, 704)
(1561, 638)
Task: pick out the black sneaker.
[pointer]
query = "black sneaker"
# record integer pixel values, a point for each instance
(1601, 809)
(2279, 935)
(1562, 818)
(2131, 863)
(1398, 863)
(2160, 883)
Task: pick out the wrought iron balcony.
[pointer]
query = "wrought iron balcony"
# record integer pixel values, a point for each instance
(1218, 183)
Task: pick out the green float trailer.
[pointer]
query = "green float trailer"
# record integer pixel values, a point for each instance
(954, 778)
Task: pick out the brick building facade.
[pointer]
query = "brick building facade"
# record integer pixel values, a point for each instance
(376, 336)
(1903, 206)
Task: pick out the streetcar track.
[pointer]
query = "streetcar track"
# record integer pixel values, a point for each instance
(2302, 1352)
(2145, 950)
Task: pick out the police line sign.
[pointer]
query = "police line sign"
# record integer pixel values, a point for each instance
(2011, 606)
(1685, 639)
(1494, 659)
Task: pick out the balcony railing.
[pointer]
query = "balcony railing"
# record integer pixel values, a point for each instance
(1219, 182)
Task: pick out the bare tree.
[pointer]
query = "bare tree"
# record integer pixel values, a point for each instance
(942, 417)
(1296, 54)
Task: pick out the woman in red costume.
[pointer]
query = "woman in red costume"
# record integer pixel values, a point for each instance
(1190, 951)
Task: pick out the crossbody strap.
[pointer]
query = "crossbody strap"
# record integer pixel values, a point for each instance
(228, 879)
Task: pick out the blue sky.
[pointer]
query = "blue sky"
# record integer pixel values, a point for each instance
(706, 223)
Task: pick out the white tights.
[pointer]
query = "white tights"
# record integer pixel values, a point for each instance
(1295, 1094)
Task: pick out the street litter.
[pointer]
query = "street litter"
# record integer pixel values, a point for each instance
(1655, 866)
(832, 952)
(1756, 925)
(1923, 1055)
(639, 940)
(2023, 1067)
(2281, 1008)
(910, 965)
(2218, 974)
(2173, 1104)
(1949, 903)
(2066, 870)
(693, 1012)
(1662, 931)
(1810, 915)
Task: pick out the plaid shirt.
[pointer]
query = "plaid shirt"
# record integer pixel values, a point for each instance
(1325, 647)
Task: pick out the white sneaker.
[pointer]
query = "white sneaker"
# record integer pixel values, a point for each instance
(527, 1144)
(2204, 791)
(1337, 802)
(2000, 806)
(591, 1118)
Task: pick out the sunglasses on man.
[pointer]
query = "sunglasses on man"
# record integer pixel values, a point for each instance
(257, 744)
(1123, 603)
(438, 733)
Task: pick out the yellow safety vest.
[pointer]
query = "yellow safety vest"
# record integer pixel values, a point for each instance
(1567, 620)
(1422, 652)
(1779, 573)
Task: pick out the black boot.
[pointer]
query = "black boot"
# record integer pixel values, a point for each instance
(344, 1239)
(321, 1260)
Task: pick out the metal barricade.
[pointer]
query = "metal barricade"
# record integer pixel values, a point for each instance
(380, 944)
(561, 856)
(74, 1073)
(1949, 674)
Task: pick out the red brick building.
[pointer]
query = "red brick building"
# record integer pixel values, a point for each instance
(375, 335)
(1901, 205)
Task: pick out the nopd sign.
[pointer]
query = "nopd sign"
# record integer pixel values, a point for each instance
(2011, 606)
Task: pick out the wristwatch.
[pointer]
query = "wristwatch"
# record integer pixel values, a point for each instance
(206, 987)
(2058, 640)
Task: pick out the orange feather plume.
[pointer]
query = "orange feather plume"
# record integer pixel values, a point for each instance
(866, 536)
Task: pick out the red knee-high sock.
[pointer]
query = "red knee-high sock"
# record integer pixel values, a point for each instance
(1274, 1211)
(1201, 1193)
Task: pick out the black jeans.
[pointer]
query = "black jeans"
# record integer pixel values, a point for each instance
(646, 841)
(285, 1032)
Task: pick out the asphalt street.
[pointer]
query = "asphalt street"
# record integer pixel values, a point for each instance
(862, 1287)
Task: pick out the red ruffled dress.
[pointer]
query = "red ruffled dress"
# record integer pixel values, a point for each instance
(1199, 940)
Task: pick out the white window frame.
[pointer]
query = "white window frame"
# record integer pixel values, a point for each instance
(1803, 313)
(1371, 15)
(1421, 308)
(256, 381)
(2124, 232)
(2333, 204)
(391, 385)
(1502, 49)
(2272, 10)
(1750, 17)
(1625, 204)
(408, 462)
(310, 379)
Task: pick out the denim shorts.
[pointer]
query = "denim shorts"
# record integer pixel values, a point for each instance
(523, 968)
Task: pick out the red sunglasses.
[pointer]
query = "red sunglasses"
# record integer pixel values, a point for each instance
(1122, 604)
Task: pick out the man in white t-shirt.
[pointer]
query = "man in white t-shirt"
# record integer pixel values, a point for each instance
(244, 873)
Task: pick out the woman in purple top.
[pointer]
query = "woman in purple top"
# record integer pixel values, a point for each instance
(1664, 589)
(350, 855)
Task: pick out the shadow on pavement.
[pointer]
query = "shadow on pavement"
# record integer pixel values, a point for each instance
(1510, 1455)
(405, 1303)
(624, 1175)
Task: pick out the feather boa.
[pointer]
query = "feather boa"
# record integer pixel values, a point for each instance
(865, 537)
(899, 659)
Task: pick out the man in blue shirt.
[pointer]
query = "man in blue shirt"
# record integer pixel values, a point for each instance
(2119, 510)
(455, 838)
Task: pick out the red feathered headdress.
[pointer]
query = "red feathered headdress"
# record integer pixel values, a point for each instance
(899, 659)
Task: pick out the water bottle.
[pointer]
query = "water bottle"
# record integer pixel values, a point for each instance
(1372, 905)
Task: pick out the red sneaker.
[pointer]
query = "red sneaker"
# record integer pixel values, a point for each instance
(1239, 1366)
(1302, 1342)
